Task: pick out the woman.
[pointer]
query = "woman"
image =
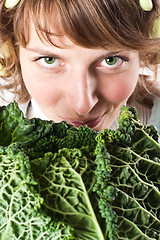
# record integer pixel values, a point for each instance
(80, 61)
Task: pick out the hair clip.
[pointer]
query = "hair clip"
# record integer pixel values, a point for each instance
(146, 5)
(2, 71)
(6, 53)
(5, 50)
(156, 28)
(11, 3)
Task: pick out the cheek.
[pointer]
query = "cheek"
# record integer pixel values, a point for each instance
(44, 92)
(120, 89)
(123, 91)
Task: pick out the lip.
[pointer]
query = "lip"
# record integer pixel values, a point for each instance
(91, 123)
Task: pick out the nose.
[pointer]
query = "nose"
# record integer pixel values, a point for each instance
(83, 92)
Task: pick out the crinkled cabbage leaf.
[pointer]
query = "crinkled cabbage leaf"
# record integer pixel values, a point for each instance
(135, 162)
(21, 214)
(77, 183)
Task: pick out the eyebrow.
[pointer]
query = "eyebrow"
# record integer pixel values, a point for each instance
(40, 51)
(48, 53)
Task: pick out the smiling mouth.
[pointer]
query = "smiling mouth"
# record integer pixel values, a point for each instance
(90, 123)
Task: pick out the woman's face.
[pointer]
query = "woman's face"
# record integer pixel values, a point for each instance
(75, 84)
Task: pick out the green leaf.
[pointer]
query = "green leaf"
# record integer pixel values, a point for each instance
(135, 162)
(20, 213)
(105, 185)
(39, 136)
(65, 195)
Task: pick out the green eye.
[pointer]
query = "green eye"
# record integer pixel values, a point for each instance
(111, 60)
(49, 60)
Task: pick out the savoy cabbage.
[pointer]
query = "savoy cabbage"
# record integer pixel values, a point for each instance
(62, 182)
(20, 204)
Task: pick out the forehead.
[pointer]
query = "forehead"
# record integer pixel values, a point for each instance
(57, 38)
(60, 41)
